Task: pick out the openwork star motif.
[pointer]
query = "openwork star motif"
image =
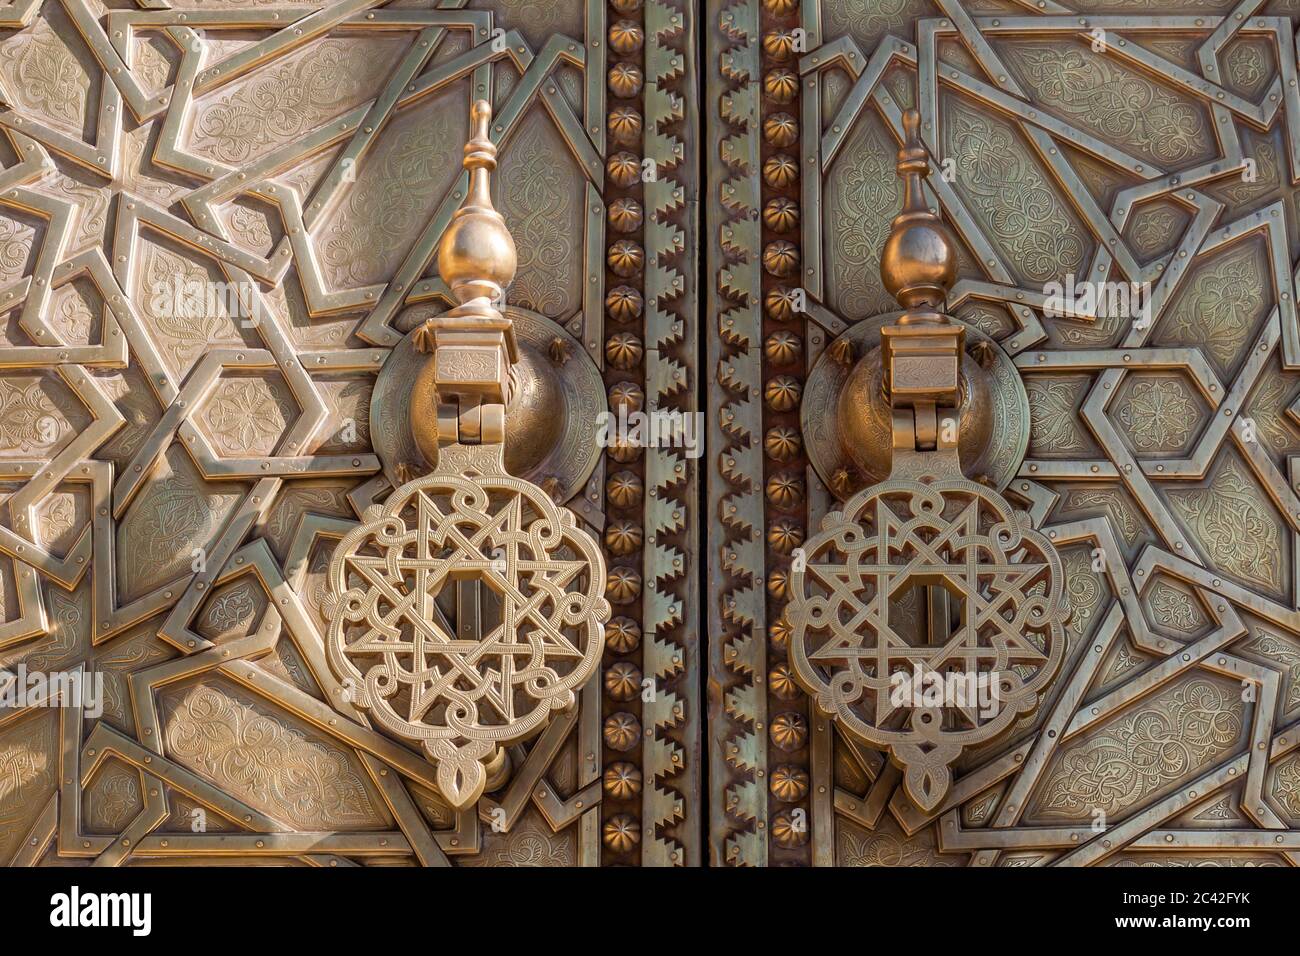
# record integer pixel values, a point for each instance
(524, 585)
(848, 639)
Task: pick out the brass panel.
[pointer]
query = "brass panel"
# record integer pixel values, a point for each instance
(216, 223)
(1106, 142)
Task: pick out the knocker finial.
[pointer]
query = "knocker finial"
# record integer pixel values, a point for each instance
(922, 351)
(476, 256)
(471, 347)
(919, 261)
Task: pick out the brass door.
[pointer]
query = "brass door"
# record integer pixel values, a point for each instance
(1098, 142)
(224, 302)
(218, 223)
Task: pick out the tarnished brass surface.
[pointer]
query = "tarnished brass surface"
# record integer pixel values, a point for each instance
(176, 467)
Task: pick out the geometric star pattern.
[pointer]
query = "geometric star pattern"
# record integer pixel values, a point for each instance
(528, 622)
(848, 647)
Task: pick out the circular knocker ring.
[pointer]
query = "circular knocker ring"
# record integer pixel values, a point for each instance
(462, 690)
(921, 699)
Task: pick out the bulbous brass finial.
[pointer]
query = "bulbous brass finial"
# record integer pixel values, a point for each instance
(476, 256)
(919, 261)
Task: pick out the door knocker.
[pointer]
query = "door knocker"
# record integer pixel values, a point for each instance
(469, 607)
(989, 587)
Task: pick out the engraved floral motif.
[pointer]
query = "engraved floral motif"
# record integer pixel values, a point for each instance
(117, 660)
(1113, 102)
(28, 764)
(56, 517)
(1286, 786)
(979, 810)
(1213, 862)
(173, 515)
(527, 844)
(281, 103)
(1125, 660)
(231, 609)
(67, 640)
(44, 77)
(29, 419)
(1052, 414)
(539, 20)
(1017, 203)
(1248, 66)
(394, 192)
(1157, 414)
(1155, 230)
(21, 761)
(1115, 505)
(177, 293)
(1268, 411)
(16, 240)
(1238, 189)
(1285, 653)
(1221, 810)
(297, 500)
(1168, 737)
(868, 20)
(311, 784)
(855, 846)
(151, 64)
(1234, 525)
(1174, 608)
(538, 200)
(134, 401)
(139, 174)
(250, 228)
(1214, 311)
(861, 194)
(247, 416)
(72, 317)
(113, 799)
(1083, 589)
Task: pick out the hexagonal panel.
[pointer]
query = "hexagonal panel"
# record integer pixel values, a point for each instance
(1158, 413)
(247, 414)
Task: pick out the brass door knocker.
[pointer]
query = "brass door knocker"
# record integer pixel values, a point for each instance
(469, 607)
(989, 584)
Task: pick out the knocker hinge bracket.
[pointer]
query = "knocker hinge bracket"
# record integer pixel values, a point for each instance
(922, 365)
(471, 421)
(925, 427)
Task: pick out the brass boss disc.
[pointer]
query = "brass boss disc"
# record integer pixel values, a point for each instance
(552, 411)
(846, 415)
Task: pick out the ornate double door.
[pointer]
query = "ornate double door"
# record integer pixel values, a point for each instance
(505, 432)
